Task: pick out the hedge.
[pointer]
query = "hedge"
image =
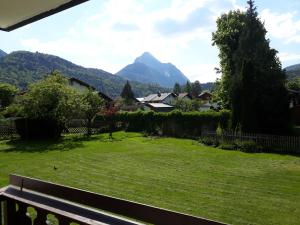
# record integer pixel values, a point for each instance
(38, 129)
(175, 123)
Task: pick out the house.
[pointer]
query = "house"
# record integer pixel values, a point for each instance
(205, 96)
(105, 97)
(184, 96)
(165, 98)
(159, 107)
(80, 85)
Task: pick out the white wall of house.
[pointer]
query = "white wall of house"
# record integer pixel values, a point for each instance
(79, 87)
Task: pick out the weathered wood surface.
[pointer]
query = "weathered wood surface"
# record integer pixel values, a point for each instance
(117, 206)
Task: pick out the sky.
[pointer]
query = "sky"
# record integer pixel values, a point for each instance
(110, 34)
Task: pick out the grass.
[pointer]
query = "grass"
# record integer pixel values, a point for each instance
(178, 174)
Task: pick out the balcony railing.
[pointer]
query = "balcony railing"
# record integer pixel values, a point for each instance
(74, 206)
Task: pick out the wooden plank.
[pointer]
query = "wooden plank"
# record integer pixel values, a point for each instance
(126, 208)
(76, 213)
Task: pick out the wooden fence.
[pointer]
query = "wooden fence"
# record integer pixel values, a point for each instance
(272, 143)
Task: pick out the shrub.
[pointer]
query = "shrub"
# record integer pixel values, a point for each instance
(248, 146)
(227, 146)
(209, 141)
(35, 128)
(51, 102)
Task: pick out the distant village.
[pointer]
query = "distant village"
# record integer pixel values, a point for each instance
(158, 102)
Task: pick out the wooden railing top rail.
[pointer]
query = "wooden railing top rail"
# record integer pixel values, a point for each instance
(118, 206)
(76, 213)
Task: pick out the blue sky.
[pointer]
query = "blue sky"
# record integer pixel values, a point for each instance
(109, 34)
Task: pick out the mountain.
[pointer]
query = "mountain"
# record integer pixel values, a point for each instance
(147, 69)
(22, 68)
(293, 71)
(2, 53)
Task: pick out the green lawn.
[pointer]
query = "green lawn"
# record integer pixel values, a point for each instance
(178, 174)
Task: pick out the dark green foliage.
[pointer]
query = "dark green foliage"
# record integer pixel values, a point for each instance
(253, 83)
(188, 88)
(175, 123)
(22, 68)
(176, 89)
(38, 128)
(91, 104)
(294, 84)
(248, 146)
(7, 93)
(196, 89)
(186, 105)
(209, 141)
(127, 92)
(51, 99)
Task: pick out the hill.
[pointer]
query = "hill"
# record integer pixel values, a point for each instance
(293, 71)
(22, 68)
(2, 53)
(147, 69)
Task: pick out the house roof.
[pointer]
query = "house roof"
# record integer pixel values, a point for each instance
(72, 79)
(158, 97)
(182, 95)
(140, 99)
(105, 97)
(159, 105)
(18, 13)
(205, 93)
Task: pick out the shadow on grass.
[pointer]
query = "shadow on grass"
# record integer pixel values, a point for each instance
(62, 144)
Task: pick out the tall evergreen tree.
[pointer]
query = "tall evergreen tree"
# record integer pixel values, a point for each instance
(252, 77)
(176, 89)
(188, 88)
(127, 92)
(196, 89)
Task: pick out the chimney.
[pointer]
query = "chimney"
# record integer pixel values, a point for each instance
(158, 94)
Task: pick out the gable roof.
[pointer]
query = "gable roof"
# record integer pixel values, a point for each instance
(105, 97)
(18, 13)
(72, 79)
(182, 95)
(205, 93)
(159, 105)
(158, 97)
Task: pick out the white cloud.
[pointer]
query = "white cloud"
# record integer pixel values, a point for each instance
(286, 57)
(283, 26)
(97, 42)
(204, 72)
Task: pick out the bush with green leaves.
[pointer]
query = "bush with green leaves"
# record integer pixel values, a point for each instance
(248, 146)
(51, 99)
(7, 94)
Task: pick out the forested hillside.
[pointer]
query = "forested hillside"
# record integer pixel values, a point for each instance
(22, 68)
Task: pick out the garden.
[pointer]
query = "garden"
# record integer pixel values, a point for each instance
(177, 174)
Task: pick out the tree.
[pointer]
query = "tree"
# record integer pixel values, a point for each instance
(91, 104)
(7, 94)
(127, 92)
(294, 84)
(188, 88)
(196, 89)
(253, 83)
(109, 113)
(176, 89)
(50, 100)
